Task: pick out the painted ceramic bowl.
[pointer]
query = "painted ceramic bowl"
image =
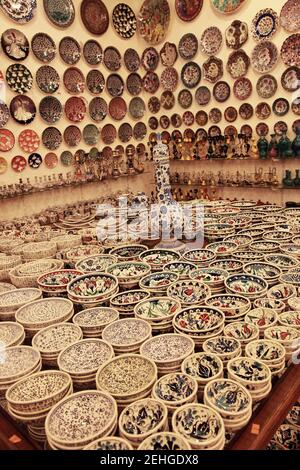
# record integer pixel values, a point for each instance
(241, 241)
(20, 361)
(286, 335)
(129, 273)
(283, 262)
(212, 277)
(270, 352)
(288, 438)
(262, 317)
(229, 398)
(274, 304)
(203, 367)
(157, 310)
(189, 419)
(242, 331)
(11, 334)
(129, 252)
(13, 300)
(175, 390)
(223, 249)
(223, 346)
(165, 441)
(159, 282)
(109, 444)
(200, 257)
(244, 256)
(127, 335)
(168, 350)
(182, 268)
(199, 320)
(292, 278)
(266, 271)
(290, 319)
(282, 292)
(158, 258)
(218, 230)
(189, 292)
(233, 306)
(92, 287)
(247, 285)
(294, 415)
(255, 233)
(249, 371)
(92, 321)
(125, 302)
(294, 303)
(57, 281)
(277, 236)
(232, 266)
(264, 247)
(290, 249)
(94, 264)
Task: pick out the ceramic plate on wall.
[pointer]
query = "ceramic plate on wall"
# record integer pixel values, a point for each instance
(7, 140)
(35, 160)
(43, 47)
(154, 20)
(117, 108)
(108, 134)
(227, 7)
(60, 12)
(236, 34)
(290, 79)
(213, 69)
(153, 123)
(203, 96)
(67, 158)
(230, 114)
(290, 17)
(168, 54)
(4, 114)
(169, 79)
(150, 82)
(29, 141)
(263, 111)
(15, 44)
(290, 51)
(124, 21)
(115, 85)
(215, 115)
(281, 107)
(20, 11)
(91, 134)
(238, 64)
(265, 24)
(74, 81)
(185, 99)
(69, 50)
(51, 109)
(18, 163)
(134, 84)
(112, 59)
(137, 108)
(52, 138)
(23, 109)
(211, 41)
(51, 160)
(19, 78)
(221, 92)
(3, 165)
(201, 118)
(191, 75)
(188, 10)
(98, 109)
(47, 79)
(246, 111)
(264, 57)
(72, 136)
(188, 46)
(150, 59)
(167, 100)
(242, 88)
(139, 131)
(75, 109)
(266, 86)
(92, 52)
(95, 82)
(94, 16)
(262, 129)
(132, 60)
(154, 105)
(125, 132)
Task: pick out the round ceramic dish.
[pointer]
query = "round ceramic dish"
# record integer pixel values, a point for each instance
(291, 277)
(13, 300)
(56, 281)
(11, 334)
(290, 319)
(262, 317)
(274, 304)
(125, 302)
(158, 283)
(247, 285)
(283, 262)
(242, 331)
(96, 263)
(229, 398)
(175, 390)
(92, 287)
(189, 292)
(127, 335)
(233, 306)
(157, 310)
(232, 266)
(129, 273)
(158, 258)
(165, 441)
(282, 292)
(212, 277)
(253, 374)
(129, 252)
(20, 361)
(92, 321)
(224, 347)
(199, 321)
(268, 272)
(182, 268)
(110, 444)
(294, 303)
(203, 367)
(271, 353)
(200, 257)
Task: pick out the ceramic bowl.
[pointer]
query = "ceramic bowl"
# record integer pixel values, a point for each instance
(287, 436)
(13, 300)
(110, 443)
(203, 367)
(229, 398)
(175, 390)
(189, 292)
(212, 277)
(233, 306)
(200, 257)
(294, 303)
(93, 321)
(242, 331)
(125, 302)
(283, 262)
(252, 373)
(282, 292)
(165, 441)
(232, 266)
(75, 255)
(262, 318)
(158, 258)
(92, 287)
(238, 222)
(182, 268)
(266, 271)
(291, 250)
(168, 350)
(286, 335)
(242, 241)
(98, 263)
(157, 310)
(265, 247)
(247, 285)
(11, 334)
(292, 278)
(127, 335)
(20, 361)
(244, 255)
(270, 352)
(291, 318)
(223, 249)
(199, 320)
(129, 273)
(5, 287)
(274, 304)
(129, 252)
(158, 283)
(280, 236)
(57, 281)
(294, 416)
(224, 347)
(255, 233)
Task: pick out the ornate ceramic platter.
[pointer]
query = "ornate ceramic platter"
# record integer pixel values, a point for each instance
(242, 88)
(168, 348)
(20, 11)
(43, 47)
(221, 92)
(19, 361)
(75, 109)
(92, 286)
(85, 356)
(246, 284)
(124, 21)
(15, 44)
(266, 86)
(154, 20)
(61, 13)
(222, 346)
(94, 16)
(290, 16)
(185, 99)
(169, 79)
(213, 69)
(290, 79)
(188, 46)
(150, 59)
(227, 7)
(290, 51)
(22, 109)
(18, 163)
(137, 108)
(264, 57)
(188, 10)
(211, 41)
(132, 60)
(51, 138)
(92, 52)
(265, 24)
(200, 319)
(168, 54)
(238, 64)
(48, 79)
(191, 75)
(263, 111)
(69, 50)
(51, 109)
(11, 334)
(236, 34)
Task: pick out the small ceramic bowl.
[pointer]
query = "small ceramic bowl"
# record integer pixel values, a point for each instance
(242, 331)
(233, 306)
(288, 437)
(264, 247)
(262, 317)
(57, 281)
(92, 287)
(175, 390)
(268, 272)
(224, 347)
(182, 268)
(128, 252)
(292, 278)
(189, 292)
(282, 292)
(244, 256)
(158, 283)
(203, 367)
(129, 273)
(98, 263)
(200, 257)
(229, 398)
(92, 321)
(158, 258)
(223, 249)
(199, 320)
(253, 374)
(165, 441)
(247, 285)
(270, 352)
(283, 262)
(168, 351)
(109, 444)
(274, 304)
(290, 249)
(212, 277)
(242, 241)
(157, 310)
(125, 302)
(232, 266)
(290, 319)
(286, 335)
(127, 335)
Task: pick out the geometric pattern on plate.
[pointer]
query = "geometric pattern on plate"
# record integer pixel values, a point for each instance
(85, 356)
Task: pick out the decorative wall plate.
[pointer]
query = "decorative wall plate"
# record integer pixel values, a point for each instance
(20, 11)
(215, 115)
(231, 131)
(246, 111)
(191, 75)
(211, 41)
(150, 59)
(95, 82)
(264, 24)
(23, 109)
(154, 20)
(74, 81)
(47, 79)
(213, 69)
(281, 107)
(227, 7)
(15, 44)
(117, 108)
(188, 10)
(185, 99)
(139, 131)
(290, 51)
(52, 138)
(137, 108)
(188, 46)
(35, 160)
(72, 136)
(115, 85)
(134, 84)
(290, 79)
(51, 160)
(154, 105)
(94, 16)
(296, 125)
(164, 122)
(176, 120)
(242, 88)
(203, 96)
(43, 47)
(92, 52)
(167, 100)
(3, 165)
(201, 118)
(296, 106)
(124, 21)
(29, 141)
(112, 59)
(290, 16)
(7, 138)
(67, 158)
(168, 54)
(75, 109)
(150, 82)
(230, 114)
(61, 13)
(247, 130)
(266, 86)
(169, 79)
(19, 78)
(264, 57)
(125, 132)
(188, 118)
(153, 123)
(221, 92)
(262, 129)
(98, 109)
(4, 114)
(236, 34)
(280, 128)
(91, 134)
(132, 60)
(108, 134)
(238, 64)
(263, 111)
(51, 109)
(18, 163)
(69, 50)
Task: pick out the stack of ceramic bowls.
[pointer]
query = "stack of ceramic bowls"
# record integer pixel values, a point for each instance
(218, 231)
(199, 323)
(283, 292)
(82, 360)
(96, 263)
(294, 304)
(168, 351)
(288, 336)
(11, 334)
(54, 283)
(234, 307)
(158, 258)
(73, 256)
(128, 252)
(269, 272)
(247, 285)
(263, 318)
(291, 318)
(231, 400)
(125, 302)
(188, 419)
(134, 429)
(39, 250)
(93, 321)
(189, 292)
(275, 304)
(201, 258)
(270, 352)
(230, 265)
(242, 241)
(80, 419)
(110, 443)
(11, 301)
(165, 441)
(6, 286)
(20, 361)
(25, 275)
(42, 313)
(243, 256)
(223, 249)
(212, 277)
(31, 398)
(158, 283)
(224, 347)
(203, 367)
(129, 273)
(127, 335)
(50, 341)
(175, 390)
(182, 268)
(254, 375)
(158, 312)
(7, 263)
(264, 247)
(291, 278)
(127, 378)
(283, 262)
(242, 331)
(67, 241)
(255, 233)
(92, 290)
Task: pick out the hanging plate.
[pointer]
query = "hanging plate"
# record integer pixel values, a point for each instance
(60, 12)
(167, 100)
(74, 81)
(221, 92)
(35, 160)
(281, 107)
(47, 79)
(236, 34)
(108, 134)
(95, 82)
(139, 131)
(265, 24)
(211, 41)
(132, 60)
(169, 79)
(290, 51)
(290, 16)
(43, 47)
(246, 111)
(213, 69)
(7, 140)
(124, 21)
(4, 114)
(266, 86)
(191, 74)
(125, 133)
(94, 16)
(72, 136)
(69, 50)
(188, 46)
(15, 44)
(238, 64)
(168, 54)
(203, 96)
(227, 7)
(263, 111)
(112, 59)
(115, 85)
(22, 109)
(52, 138)
(201, 118)
(18, 164)
(20, 11)
(19, 78)
(262, 129)
(154, 20)
(51, 109)
(230, 114)
(185, 99)
(29, 141)
(98, 109)
(51, 160)
(92, 52)
(3, 165)
(75, 109)
(188, 10)
(91, 134)
(134, 84)
(150, 59)
(151, 82)
(137, 108)
(290, 79)
(117, 108)
(242, 88)
(154, 105)
(264, 57)
(67, 158)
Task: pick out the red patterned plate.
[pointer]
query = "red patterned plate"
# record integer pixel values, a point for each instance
(164, 122)
(188, 10)
(262, 129)
(98, 109)
(151, 82)
(246, 111)
(18, 164)
(117, 108)
(75, 109)
(139, 131)
(242, 88)
(231, 131)
(215, 115)
(230, 114)
(201, 118)
(153, 20)
(263, 111)
(280, 128)
(72, 136)
(188, 118)
(94, 16)
(7, 140)
(29, 141)
(51, 160)
(108, 134)
(247, 131)
(169, 79)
